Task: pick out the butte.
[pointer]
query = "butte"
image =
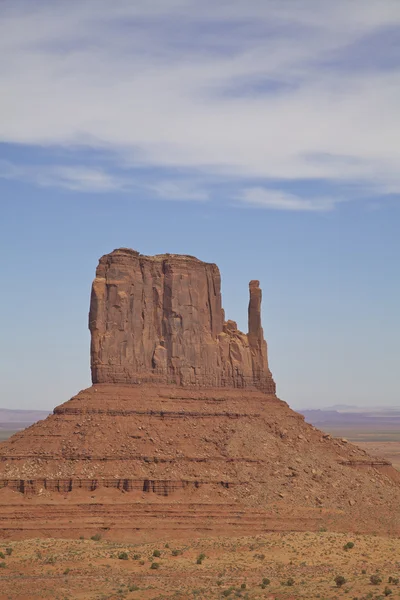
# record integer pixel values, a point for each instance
(181, 432)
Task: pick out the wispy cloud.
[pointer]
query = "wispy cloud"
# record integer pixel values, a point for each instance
(279, 200)
(72, 178)
(265, 89)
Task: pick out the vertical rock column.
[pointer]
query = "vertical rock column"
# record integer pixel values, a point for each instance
(258, 345)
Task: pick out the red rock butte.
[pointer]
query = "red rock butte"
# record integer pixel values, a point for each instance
(160, 319)
(181, 432)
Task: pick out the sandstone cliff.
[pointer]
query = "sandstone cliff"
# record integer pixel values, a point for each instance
(160, 318)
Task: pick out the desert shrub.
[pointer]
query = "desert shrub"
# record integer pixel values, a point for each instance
(155, 565)
(394, 580)
(166, 546)
(364, 571)
(290, 581)
(96, 537)
(2, 555)
(141, 562)
(387, 591)
(375, 579)
(243, 586)
(2, 565)
(50, 560)
(176, 552)
(349, 546)
(228, 592)
(339, 580)
(67, 570)
(266, 581)
(123, 556)
(137, 556)
(9, 551)
(133, 588)
(157, 553)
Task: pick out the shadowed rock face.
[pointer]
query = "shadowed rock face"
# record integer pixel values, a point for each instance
(159, 318)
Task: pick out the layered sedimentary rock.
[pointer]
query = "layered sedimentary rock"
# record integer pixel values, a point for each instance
(160, 319)
(158, 458)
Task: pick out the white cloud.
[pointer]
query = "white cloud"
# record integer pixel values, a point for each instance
(177, 190)
(241, 89)
(276, 199)
(72, 178)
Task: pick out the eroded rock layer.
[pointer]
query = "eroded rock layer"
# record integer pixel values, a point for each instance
(125, 450)
(160, 319)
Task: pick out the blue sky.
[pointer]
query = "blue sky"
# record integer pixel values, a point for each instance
(260, 135)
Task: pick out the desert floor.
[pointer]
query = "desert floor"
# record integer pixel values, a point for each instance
(291, 565)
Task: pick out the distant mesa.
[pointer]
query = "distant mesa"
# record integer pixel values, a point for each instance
(160, 319)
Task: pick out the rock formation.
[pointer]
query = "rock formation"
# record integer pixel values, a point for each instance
(160, 319)
(201, 446)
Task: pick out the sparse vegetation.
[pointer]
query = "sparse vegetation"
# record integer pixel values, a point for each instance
(123, 556)
(96, 537)
(375, 579)
(302, 563)
(340, 580)
(349, 546)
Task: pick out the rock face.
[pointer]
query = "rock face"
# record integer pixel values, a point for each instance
(160, 319)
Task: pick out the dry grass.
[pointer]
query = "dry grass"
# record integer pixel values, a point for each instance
(231, 568)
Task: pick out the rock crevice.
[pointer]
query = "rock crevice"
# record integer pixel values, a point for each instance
(160, 318)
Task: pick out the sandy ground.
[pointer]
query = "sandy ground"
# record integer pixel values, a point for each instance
(297, 565)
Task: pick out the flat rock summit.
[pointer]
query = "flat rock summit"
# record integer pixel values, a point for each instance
(181, 432)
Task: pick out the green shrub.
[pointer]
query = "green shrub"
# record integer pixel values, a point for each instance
(9, 551)
(133, 588)
(375, 579)
(176, 552)
(137, 556)
(96, 537)
(243, 586)
(123, 556)
(141, 562)
(387, 591)
(157, 553)
(394, 580)
(50, 560)
(2, 555)
(155, 565)
(67, 570)
(266, 581)
(339, 580)
(349, 546)
(2, 565)
(290, 581)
